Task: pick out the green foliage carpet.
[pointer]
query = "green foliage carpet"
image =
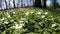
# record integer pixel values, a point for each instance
(29, 21)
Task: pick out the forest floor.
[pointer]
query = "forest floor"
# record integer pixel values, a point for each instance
(52, 12)
(58, 9)
(18, 14)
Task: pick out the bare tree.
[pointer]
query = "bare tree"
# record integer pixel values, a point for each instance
(14, 3)
(54, 3)
(6, 4)
(9, 3)
(21, 3)
(38, 3)
(44, 3)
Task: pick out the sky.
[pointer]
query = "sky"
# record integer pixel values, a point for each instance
(57, 1)
(49, 1)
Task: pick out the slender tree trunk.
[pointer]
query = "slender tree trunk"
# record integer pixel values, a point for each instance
(18, 3)
(44, 3)
(33, 2)
(9, 3)
(6, 4)
(38, 3)
(14, 3)
(21, 3)
(54, 2)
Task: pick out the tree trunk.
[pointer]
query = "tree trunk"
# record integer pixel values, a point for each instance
(21, 3)
(6, 4)
(14, 3)
(44, 3)
(54, 2)
(9, 3)
(38, 3)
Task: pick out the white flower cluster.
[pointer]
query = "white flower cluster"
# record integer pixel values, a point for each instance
(2, 19)
(21, 21)
(43, 16)
(51, 16)
(8, 15)
(27, 13)
(18, 26)
(12, 20)
(23, 18)
(39, 13)
(13, 12)
(46, 13)
(6, 22)
(51, 19)
(53, 25)
(31, 12)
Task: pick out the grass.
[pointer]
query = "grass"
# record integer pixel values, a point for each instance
(18, 20)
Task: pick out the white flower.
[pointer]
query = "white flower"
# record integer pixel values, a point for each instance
(21, 21)
(18, 26)
(43, 16)
(46, 13)
(2, 19)
(39, 13)
(11, 27)
(51, 19)
(7, 13)
(14, 15)
(53, 25)
(8, 16)
(12, 20)
(51, 16)
(13, 12)
(21, 24)
(31, 12)
(6, 22)
(23, 18)
(27, 13)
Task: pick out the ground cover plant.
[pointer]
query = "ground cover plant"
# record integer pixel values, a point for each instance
(29, 21)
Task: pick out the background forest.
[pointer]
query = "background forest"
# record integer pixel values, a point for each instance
(29, 16)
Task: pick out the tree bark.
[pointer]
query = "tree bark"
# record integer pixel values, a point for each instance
(6, 4)
(38, 3)
(21, 3)
(54, 2)
(44, 3)
(14, 3)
